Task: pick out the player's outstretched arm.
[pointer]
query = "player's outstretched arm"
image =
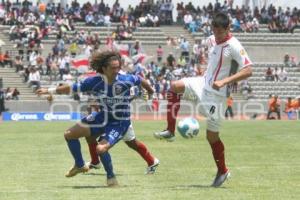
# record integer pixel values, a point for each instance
(240, 75)
(63, 89)
(147, 87)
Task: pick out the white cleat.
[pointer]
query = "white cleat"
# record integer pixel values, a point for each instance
(152, 168)
(93, 166)
(220, 179)
(165, 135)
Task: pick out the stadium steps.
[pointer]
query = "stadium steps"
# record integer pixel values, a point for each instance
(237, 96)
(13, 80)
(262, 88)
(176, 31)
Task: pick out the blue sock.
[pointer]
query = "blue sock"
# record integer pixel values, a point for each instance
(107, 164)
(74, 146)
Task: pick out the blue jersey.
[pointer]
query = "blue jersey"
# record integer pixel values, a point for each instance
(114, 99)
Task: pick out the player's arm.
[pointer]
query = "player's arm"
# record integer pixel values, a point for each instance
(63, 89)
(241, 75)
(240, 55)
(147, 86)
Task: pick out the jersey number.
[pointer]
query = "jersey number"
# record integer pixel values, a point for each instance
(212, 110)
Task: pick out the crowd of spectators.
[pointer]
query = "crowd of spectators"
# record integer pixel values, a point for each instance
(197, 19)
(280, 74)
(276, 74)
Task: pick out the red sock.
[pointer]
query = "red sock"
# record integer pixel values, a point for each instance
(94, 157)
(219, 156)
(172, 110)
(143, 151)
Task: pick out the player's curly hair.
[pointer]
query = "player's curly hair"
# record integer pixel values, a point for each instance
(100, 60)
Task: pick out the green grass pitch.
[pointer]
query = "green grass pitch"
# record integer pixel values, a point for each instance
(263, 157)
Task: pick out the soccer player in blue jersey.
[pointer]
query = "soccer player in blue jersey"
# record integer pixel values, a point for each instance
(113, 120)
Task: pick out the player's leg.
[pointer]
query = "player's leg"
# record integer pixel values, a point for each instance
(141, 148)
(189, 89)
(72, 136)
(173, 96)
(102, 150)
(213, 106)
(114, 133)
(218, 151)
(90, 125)
(95, 162)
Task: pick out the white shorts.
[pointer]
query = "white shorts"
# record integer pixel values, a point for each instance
(129, 135)
(211, 105)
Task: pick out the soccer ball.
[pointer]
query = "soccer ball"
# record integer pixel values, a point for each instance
(188, 127)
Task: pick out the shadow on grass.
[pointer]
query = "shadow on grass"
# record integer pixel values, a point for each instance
(98, 186)
(93, 174)
(89, 187)
(98, 174)
(182, 187)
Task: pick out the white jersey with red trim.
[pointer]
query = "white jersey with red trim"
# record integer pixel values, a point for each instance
(220, 59)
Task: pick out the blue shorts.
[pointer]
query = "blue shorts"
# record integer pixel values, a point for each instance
(110, 130)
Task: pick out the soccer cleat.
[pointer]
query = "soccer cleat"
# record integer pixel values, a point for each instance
(220, 179)
(165, 135)
(152, 168)
(112, 182)
(93, 166)
(76, 170)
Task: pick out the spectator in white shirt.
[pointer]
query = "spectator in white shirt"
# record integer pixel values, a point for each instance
(282, 74)
(88, 50)
(107, 21)
(89, 19)
(68, 78)
(62, 66)
(32, 58)
(188, 18)
(34, 78)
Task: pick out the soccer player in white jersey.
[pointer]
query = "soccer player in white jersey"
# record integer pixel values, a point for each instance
(210, 90)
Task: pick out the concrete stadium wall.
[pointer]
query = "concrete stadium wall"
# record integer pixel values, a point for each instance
(271, 54)
(138, 107)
